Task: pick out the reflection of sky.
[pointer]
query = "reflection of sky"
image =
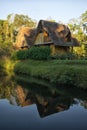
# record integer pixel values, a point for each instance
(27, 118)
(59, 10)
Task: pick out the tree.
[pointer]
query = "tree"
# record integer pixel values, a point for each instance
(16, 22)
(1, 31)
(84, 16)
(9, 29)
(78, 28)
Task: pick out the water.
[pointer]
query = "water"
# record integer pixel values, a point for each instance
(31, 106)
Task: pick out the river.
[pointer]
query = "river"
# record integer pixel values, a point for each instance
(26, 105)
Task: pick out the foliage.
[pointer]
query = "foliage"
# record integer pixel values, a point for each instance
(84, 16)
(19, 20)
(6, 49)
(9, 29)
(6, 66)
(2, 69)
(16, 22)
(7, 87)
(78, 28)
(68, 56)
(9, 66)
(37, 53)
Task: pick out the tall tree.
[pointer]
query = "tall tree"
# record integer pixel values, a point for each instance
(10, 27)
(84, 16)
(78, 28)
(84, 22)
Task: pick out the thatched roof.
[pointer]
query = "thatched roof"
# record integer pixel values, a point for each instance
(59, 34)
(25, 37)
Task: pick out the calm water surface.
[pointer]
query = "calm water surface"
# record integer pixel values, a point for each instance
(27, 106)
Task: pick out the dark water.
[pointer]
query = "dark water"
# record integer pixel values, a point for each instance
(31, 106)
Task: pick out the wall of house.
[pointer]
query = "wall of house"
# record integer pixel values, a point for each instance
(63, 50)
(59, 49)
(39, 38)
(42, 37)
(52, 49)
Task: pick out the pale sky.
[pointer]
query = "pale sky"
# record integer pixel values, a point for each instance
(58, 10)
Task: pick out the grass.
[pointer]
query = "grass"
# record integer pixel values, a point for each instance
(64, 72)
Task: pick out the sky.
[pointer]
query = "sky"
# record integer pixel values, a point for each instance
(58, 10)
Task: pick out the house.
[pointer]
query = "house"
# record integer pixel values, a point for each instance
(55, 35)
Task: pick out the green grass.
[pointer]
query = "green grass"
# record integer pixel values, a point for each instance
(66, 72)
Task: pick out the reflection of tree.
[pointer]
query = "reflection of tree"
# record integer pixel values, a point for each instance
(6, 87)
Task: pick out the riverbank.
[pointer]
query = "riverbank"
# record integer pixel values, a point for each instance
(64, 72)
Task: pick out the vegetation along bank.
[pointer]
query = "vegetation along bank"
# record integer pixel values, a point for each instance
(64, 72)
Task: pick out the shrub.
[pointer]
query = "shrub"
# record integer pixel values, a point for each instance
(6, 49)
(68, 56)
(2, 68)
(20, 55)
(37, 53)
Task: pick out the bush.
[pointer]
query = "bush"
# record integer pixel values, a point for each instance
(37, 53)
(6, 49)
(2, 68)
(20, 55)
(68, 56)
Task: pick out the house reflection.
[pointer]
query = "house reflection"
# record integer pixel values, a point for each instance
(46, 105)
